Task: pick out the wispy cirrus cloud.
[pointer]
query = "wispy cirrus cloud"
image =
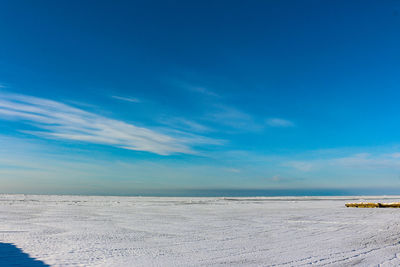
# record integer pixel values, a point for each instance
(127, 99)
(228, 115)
(60, 121)
(240, 120)
(196, 88)
(362, 161)
(278, 122)
(234, 118)
(303, 166)
(203, 90)
(184, 124)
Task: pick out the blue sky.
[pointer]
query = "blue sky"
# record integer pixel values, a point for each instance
(123, 96)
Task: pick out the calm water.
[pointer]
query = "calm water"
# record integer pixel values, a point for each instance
(262, 192)
(233, 192)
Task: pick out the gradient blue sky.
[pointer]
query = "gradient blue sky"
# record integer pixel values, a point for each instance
(123, 96)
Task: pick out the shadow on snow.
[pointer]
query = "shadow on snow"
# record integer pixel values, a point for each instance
(10, 255)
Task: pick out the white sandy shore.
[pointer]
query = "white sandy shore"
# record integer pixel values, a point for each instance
(135, 231)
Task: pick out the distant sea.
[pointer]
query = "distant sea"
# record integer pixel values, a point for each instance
(231, 192)
(261, 192)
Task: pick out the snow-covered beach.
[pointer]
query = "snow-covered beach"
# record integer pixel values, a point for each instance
(151, 231)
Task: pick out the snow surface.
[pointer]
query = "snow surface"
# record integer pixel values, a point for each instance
(143, 231)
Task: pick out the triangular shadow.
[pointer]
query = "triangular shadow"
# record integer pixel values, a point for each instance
(10, 255)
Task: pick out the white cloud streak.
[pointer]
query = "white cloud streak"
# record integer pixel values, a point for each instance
(277, 122)
(203, 90)
(300, 165)
(234, 118)
(362, 161)
(60, 121)
(184, 124)
(196, 88)
(127, 99)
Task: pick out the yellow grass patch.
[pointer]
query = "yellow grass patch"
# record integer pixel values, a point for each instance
(373, 205)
